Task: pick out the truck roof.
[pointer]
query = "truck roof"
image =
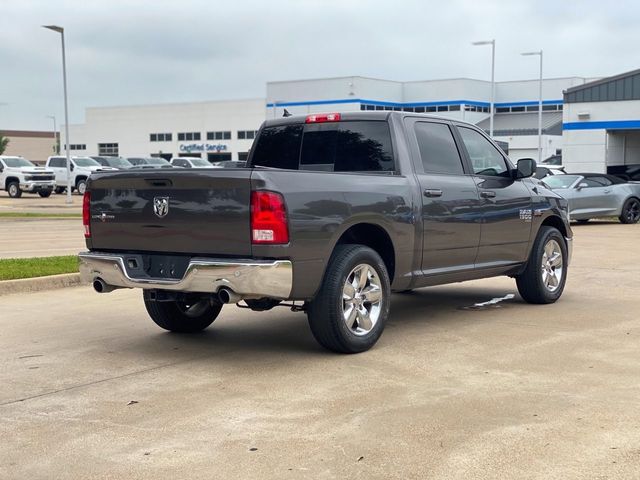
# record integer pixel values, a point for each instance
(351, 116)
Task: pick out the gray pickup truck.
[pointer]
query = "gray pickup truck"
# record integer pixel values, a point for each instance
(332, 213)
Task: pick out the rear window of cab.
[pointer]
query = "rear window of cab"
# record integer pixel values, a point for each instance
(350, 146)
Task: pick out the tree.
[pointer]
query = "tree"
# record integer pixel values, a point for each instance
(4, 141)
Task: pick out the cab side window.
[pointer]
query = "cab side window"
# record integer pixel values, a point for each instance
(598, 181)
(485, 159)
(438, 149)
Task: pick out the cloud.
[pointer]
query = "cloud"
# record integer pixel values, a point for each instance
(145, 51)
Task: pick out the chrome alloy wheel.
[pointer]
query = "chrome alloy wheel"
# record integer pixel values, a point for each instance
(13, 190)
(362, 299)
(552, 266)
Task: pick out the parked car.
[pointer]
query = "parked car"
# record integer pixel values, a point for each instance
(81, 168)
(546, 170)
(593, 195)
(118, 163)
(552, 160)
(149, 162)
(191, 162)
(230, 164)
(335, 212)
(18, 175)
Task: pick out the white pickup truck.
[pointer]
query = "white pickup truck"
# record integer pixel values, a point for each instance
(18, 175)
(81, 169)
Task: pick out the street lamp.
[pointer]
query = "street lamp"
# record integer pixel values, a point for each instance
(493, 83)
(55, 134)
(60, 30)
(526, 54)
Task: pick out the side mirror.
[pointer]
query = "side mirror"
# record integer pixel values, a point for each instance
(582, 185)
(526, 167)
(71, 167)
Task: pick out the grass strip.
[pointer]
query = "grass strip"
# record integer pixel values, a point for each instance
(14, 268)
(39, 215)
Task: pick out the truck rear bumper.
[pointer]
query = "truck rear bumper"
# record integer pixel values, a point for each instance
(248, 278)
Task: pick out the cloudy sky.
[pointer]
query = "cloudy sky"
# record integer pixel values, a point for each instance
(123, 52)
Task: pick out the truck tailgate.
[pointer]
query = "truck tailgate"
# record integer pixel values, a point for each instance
(170, 210)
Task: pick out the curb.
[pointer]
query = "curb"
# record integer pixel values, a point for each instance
(37, 284)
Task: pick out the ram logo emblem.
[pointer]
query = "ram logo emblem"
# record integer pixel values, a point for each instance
(161, 206)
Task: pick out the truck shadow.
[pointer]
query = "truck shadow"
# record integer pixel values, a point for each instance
(281, 332)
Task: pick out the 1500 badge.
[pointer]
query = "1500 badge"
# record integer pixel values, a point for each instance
(526, 214)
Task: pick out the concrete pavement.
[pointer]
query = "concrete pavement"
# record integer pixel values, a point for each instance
(30, 203)
(514, 391)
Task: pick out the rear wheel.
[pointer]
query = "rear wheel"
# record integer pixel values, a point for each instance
(545, 275)
(182, 316)
(58, 190)
(14, 190)
(349, 313)
(44, 193)
(630, 211)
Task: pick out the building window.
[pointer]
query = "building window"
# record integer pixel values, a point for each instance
(108, 149)
(454, 108)
(420, 110)
(549, 108)
(247, 134)
(532, 108)
(77, 146)
(188, 136)
(160, 137)
(218, 135)
(243, 156)
(502, 109)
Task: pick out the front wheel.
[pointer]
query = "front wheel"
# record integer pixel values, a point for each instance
(544, 278)
(58, 190)
(351, 308)
(630, 211)
(182, 316)
(14, 190)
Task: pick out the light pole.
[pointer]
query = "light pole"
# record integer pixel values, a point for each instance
(493, 83)
(60, 30)
(539, 104)
(56, 147)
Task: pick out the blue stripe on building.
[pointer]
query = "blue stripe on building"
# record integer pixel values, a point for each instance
(409, 104)
(604, 125)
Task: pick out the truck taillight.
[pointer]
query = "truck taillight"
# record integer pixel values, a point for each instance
(268, 218)
(86, 215)
(323, 117)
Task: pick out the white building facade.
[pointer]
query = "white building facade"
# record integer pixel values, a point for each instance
(601, 129)
(224, 130)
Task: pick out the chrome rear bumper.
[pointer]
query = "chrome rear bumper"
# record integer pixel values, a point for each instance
(248, 278)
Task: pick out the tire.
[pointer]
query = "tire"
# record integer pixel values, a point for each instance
(59, 190)
(630, 211)
(583, 221)
(173, 315)
(543, 279)
(14, 190)
(44, 193)
(326, 312)
(81, 186)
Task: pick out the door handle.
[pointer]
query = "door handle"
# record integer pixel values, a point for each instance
(607, 191)
(487, 194)
(432, 192)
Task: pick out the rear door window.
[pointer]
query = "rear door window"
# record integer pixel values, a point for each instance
(437, 148)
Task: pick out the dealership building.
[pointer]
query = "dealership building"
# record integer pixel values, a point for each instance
(224, 130)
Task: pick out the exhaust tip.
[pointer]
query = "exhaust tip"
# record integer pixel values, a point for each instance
(101, 287)
(226, 295)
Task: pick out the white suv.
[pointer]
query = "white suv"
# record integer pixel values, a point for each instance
(19, 175)
(81, 168)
